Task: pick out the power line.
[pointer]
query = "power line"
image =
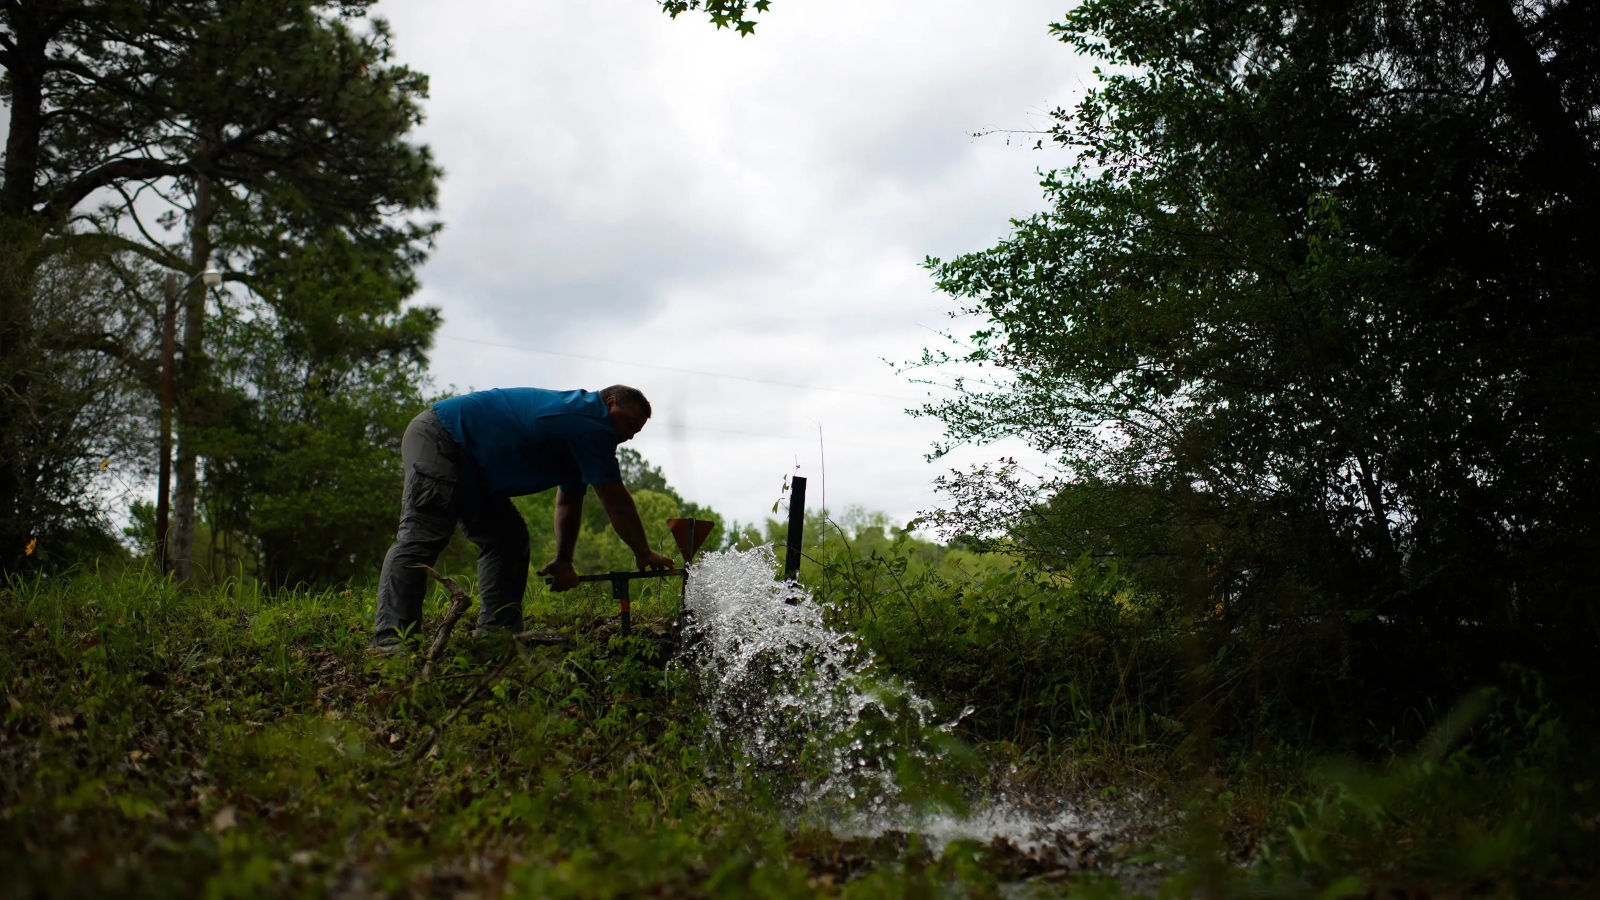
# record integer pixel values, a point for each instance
(618, 362)
(851, 442)
(759, 434)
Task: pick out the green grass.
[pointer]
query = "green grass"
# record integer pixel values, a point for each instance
(222, 745)
(226, 743)
(160, 742)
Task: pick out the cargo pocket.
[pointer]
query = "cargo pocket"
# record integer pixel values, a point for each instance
(431, 490)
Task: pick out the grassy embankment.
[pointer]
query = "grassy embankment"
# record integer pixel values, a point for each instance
(160, 742)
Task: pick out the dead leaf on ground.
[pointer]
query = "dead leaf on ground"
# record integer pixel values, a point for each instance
(226, 817)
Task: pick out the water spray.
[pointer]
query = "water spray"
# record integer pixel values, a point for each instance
(690, 534)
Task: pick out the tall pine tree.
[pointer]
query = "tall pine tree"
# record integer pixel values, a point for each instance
(263, 125)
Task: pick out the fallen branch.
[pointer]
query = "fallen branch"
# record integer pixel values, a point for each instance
(519, 643)
(460, 602)
(433, 736)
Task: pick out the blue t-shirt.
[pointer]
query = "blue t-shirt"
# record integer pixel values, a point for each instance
(527, 440)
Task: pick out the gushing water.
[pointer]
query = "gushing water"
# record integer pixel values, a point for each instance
(809, 711)
(805, 706)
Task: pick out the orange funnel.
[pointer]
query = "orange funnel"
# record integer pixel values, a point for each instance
(690, 534)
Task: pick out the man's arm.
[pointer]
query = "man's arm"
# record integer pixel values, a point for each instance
(569, 518)
(625, 519)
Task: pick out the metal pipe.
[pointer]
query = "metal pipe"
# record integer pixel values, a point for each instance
(619, 593)
(797, 525)
(619, 589)
(625, 576)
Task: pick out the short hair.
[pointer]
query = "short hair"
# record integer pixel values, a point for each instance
(630, 397)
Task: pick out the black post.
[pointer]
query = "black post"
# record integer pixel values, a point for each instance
(619, 592)
(797, 527)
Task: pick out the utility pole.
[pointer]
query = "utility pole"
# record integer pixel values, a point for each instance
(169, 327)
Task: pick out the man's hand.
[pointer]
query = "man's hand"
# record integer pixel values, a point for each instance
(563, 577)
(652, 560)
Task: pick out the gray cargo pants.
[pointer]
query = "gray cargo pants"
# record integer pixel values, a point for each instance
(436, 498)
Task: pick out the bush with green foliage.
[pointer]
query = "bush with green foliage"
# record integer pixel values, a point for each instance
(1308, 329)
(1077, 661)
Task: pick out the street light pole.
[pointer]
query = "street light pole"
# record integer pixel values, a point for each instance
(169, 327)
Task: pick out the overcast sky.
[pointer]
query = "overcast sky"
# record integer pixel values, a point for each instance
(621, 187)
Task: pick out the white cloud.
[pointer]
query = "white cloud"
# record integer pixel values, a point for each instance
(627, 187)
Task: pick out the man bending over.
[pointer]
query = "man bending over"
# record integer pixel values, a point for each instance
(468, 456)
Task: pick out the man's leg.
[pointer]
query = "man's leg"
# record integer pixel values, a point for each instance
(497, 528)
(428, 513)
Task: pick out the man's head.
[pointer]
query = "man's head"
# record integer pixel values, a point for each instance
(629, 409)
